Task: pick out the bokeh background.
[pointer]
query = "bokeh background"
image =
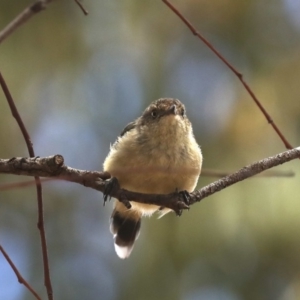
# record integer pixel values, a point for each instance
(77, 81)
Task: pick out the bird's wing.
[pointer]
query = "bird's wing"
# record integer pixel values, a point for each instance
(128, 127)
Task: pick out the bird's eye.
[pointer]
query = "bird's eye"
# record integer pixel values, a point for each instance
(183, 112)
(154, 113)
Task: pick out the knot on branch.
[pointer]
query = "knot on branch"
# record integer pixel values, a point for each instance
(45, 166)
(38, 6)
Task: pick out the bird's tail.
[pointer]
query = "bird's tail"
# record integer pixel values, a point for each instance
(125, 226)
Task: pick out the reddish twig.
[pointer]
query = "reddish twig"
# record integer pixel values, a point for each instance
(237, 73)
(27, 14)
(21, 184)
(82, 7)
(40, 224)
(19, 276)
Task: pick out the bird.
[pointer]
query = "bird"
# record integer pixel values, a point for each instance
(155, 154)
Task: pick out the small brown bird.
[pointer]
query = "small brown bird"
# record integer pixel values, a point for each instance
(155, 154)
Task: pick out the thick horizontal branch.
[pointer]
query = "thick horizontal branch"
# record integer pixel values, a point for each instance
(53, 166)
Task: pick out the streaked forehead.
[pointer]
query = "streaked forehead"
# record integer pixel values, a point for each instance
(165, 103)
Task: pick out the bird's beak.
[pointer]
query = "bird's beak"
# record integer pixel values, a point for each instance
(172, 110)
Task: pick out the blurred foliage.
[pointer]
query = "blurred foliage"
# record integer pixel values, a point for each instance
(78, 81)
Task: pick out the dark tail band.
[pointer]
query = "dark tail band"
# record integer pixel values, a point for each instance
(125, 226)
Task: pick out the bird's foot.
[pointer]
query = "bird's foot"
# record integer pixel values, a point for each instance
(110, 185)
(183, 202)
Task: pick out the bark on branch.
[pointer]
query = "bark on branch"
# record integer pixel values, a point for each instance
(53, 166)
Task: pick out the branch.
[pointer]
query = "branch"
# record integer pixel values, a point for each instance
(40, 224)
(53, 166)
(27, 14)
(244, 173)
(23, 17)
(233, 69)
(85, 12)
(18, 274)
(270, 173)
(204, 173)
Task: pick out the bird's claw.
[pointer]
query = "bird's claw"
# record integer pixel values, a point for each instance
(110, 185)
(183, 202)
(113, 185)
(186, 197)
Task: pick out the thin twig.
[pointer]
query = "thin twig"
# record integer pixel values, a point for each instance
(270, 173)
(244, 173)
(82, 7)
(21, 184)
(40, 224)
(23, 17)
(18, 274)
(233, 69)
(54, 167)
(26, 14)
